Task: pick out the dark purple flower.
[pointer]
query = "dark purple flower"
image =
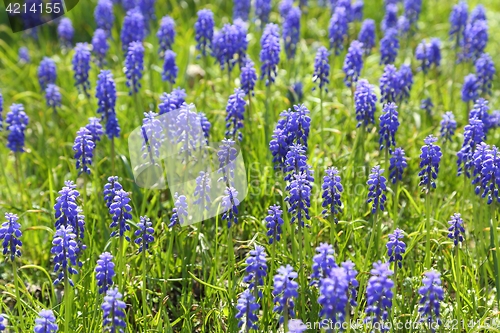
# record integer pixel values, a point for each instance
(65, 32)
(367, 36)
(404, 84)
(106, 100)
(396, 247)
(332, 189)
(65, 250)
(241, 9)
(81, 67)
(120, 213)
(485, 70)
(357, 10)
(333, 296)
(17, 122)
(365, 103)
(470, 88)
(53, 96)
(235, 114)
(134, 65)
(475, 40)
(322, 68)
(458, 22)
(391, 17)
(113, 312)
(397, 165)
(353, 63)
(262, 10)
(230, 205)
(247, 306)
(389, 46)
(204, 30)
(389, 85)
(389, 125)
(448, 126)
(337, 30)
(299, 197)
(285, 291)
(270, 53)
(84, 150)
(413, 8)
(429, 163)
(432, 293)
(100, 46)
(323, 263)
(105, 271)
(248, 77)
(103, 15)
(256, 270)
(144, 233)
(10, 234)
(379, 295)
(274, 222)
(133, 28)
(456, 229)
(170, 68)
(180, 211)
(166, 34)
(291, 31)
(376, 189)
(46, 72)
(46, 322)
(474, 134)
(110, 189)
(24, 55)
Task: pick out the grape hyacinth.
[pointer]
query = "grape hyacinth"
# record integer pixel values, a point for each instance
(396, 248)
(333, 296)
(279, 147)
(120, 213)
(134, 65)
(235, 114)
(403, 26)
(432, 293)
(248, 77)
(144, 233)
(485, 70)
(427, 105)
(351, 274)
(391, 17)
(103, 15)
(353, 63)
(17, 122)
(470, 88)
(204, 31)
(397, 165)
(295, 161)
(170, 68)
(46, 72)
(256, 270)
(458, 22)
(448, 126)
(66, 208)
(53, 96)
(110, 190)
(284, 7)
(147, 8)
(84, 150)
(65, 250)
(65, 32)
(241, 9)
(367, 36)
(389, 125)
(389, 85)
(270, 53)
(389, 46)
(133, 28)
(227, 43)
(487, 164)
(480, 111)
(81, 67)
(274, 223)
(95, 128)
(337, 30)
(379, 295)
(202, 190)
(113, 312)
(106, 100)
(24, 55)
(376, 189)
(429, 163)
(2, 324)
(46, 322)
(291, 32)
(412, 8)
(357, 10)
(405, 82)
(299, 197)
(262, 10)
(10, 234)
(285, 291)
(332, 189)
(152, 136)
(456, 229)
(105, 271)
(474, 134)
(365, 101)
(475, 40)
(227, 155)
(323, 263)
(100, 46)
(180, 211)
(322, 68)
(166, 34)
(247, 306)
(230, 205)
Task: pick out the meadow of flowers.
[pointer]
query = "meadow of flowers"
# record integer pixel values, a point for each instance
(369, 137)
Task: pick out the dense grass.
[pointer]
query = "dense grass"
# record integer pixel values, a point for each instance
(191, 284)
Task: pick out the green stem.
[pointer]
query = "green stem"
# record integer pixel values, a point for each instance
(458, 269)
(395, 204)
(113, 156)
(301, 271)
(18, 297)
(67, 307)
(120, 264)
(144, 287)
(495, 252)
(268, 113)
(428, 231)
(372, 235)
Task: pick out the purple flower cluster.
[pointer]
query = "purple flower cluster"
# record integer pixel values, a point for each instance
(270, 53)
(17, 122)
(365, 101)
(166, 34)
(274, 222)
(379, 295)
(337, 30)
(332, 189)
(322, 68)
(291, 32)
(134, 65)
(235, 114)
(377, 186)
(429, 163)
(353, 63)
(204, 30)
